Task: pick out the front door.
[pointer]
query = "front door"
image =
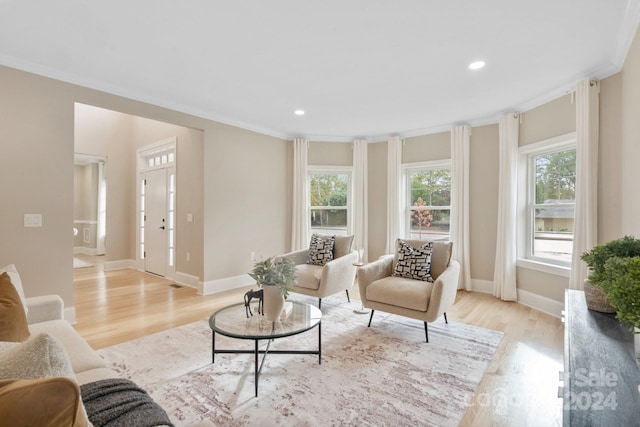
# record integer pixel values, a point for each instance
(155, 225)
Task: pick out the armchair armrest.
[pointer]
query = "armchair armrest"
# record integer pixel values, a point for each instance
(444, 291)
(339, 273)
(298, 257)
(373, 271)
(43, 308)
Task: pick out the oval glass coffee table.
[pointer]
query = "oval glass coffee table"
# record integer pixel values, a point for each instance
(232, 321)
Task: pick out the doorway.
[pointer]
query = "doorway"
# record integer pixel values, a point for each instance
(157, 206)
(90, 199)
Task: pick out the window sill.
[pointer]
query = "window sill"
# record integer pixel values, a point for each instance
(544, 267)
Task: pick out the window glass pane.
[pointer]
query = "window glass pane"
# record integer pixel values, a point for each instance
(555, 176)
(552, 205)
(429, 203)
(328, 194)
(430, 187)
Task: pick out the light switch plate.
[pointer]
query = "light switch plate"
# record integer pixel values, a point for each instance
(33, 220)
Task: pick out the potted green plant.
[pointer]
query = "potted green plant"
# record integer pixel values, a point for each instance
(596, 259)
(275, 275)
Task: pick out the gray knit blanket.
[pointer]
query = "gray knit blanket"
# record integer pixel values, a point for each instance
(121, 403)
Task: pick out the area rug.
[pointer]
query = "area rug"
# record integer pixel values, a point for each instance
(383, 375)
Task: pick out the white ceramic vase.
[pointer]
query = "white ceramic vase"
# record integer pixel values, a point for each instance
(273, 302)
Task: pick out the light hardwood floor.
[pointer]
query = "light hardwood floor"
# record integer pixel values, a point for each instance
(519, 387)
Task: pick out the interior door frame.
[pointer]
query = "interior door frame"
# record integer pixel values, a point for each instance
(143, 155)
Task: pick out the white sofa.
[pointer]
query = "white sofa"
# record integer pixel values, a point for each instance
(46, 315)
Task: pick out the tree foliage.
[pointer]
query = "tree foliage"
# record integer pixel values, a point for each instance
(556, 176)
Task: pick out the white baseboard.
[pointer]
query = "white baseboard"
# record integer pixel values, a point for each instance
(530, 299)
(120, 264)
(484, 286)
(189, 280)
(540, 303)
(84, 251)
(214, 286)
(70, 315)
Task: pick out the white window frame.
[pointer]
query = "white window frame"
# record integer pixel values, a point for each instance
(324, 170)
(526, 204)
(405, 196)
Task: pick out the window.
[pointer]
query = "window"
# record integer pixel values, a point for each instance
(428, 201)
(549, 210)
(329, 202)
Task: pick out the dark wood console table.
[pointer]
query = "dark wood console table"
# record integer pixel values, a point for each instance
(601, 376)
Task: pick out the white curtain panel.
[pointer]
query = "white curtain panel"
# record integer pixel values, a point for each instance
(300, 217)
(504, 275)
(394, 159)
(360, 190)
(459, 233)
(585, 229)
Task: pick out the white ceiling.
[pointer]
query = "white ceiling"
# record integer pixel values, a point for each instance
(359, 68)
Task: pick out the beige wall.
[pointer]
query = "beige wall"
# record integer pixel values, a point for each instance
(630, 136)
(423, 148)
(246, 177)
(330, 153)
(483, 200)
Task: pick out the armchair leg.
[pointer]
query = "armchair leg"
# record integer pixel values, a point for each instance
(426, 332)
(445, 318)
(319, 303)
(347, 291)
(370, 317)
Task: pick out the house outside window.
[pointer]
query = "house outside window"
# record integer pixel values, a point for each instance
(427, 213)
(329, 197)
(548, 212)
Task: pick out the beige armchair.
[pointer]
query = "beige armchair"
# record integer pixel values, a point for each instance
(417, 299)
(323, 280)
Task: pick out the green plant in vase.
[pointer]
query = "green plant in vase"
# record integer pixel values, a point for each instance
(596, 259)
(621, 284)
(275, 271)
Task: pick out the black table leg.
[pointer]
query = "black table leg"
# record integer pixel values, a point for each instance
(256, 368)
(213, 346)
(320, 343)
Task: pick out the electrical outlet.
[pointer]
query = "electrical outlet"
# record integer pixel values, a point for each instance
(252, 256)
(188, 257)
(33, 220)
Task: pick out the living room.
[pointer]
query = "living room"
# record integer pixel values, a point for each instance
(39, 131)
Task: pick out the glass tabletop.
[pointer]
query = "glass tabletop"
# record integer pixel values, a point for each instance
(232, 321)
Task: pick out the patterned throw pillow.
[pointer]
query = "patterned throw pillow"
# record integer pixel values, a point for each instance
(321, 250)
(414, 263)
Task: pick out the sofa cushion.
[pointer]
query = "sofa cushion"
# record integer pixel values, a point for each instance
(440, 255)
(413, 263)
(401, 292)
(41, 402)
(17, 282)
(321, 249)
(13, 318)
(82, 356)
(308, 276)
(40, 356)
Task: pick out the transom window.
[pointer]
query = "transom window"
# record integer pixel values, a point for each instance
(550, 202)
(427, 214)
(329, 202)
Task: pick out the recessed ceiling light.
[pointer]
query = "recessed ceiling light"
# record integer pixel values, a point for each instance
(476, 65)
(299, 112)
